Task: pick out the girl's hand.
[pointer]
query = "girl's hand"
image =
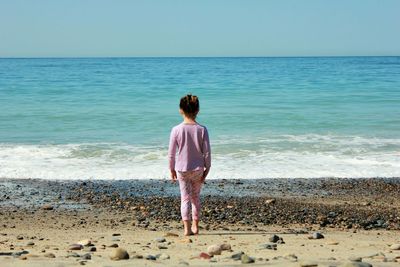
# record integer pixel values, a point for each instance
(173, 176)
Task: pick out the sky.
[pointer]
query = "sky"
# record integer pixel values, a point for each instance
(141, 28)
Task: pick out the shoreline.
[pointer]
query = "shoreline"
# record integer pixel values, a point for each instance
(358, 217)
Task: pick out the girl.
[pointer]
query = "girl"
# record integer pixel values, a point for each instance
(193, 161)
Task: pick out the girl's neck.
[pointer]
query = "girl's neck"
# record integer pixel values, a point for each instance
(187, 120)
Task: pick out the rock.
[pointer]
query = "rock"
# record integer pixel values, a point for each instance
(73, 254)
(333, 243)
(19, 253)
(20, 237)
(225, 246)
(116, 234)
(272, 246)
(162, 256)
(151, 257)
(86, 256)
(113, 246)
(246, 259)
(90, 249)
(237, 255)
(204, 256)
(169, 234)
(308, 264)
(356, 264)
(30, 243)
(160, 239)
(85, 242)
(161, 246)
(316, 235)
(395, 247)
(115, 239)
(291, 257)
(186, 240)
(270, 201)
(358, 259)
(214, 250)
(119, 254)
(75, 247)
(47, 207)
(49, 255)
(273, 238)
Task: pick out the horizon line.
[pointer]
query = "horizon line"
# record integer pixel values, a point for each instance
(111, 57)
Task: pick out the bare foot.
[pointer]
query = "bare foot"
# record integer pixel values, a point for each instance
(188, 233)
(195, 230)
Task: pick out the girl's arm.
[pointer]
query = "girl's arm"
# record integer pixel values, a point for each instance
(206, 153)
(171, 154)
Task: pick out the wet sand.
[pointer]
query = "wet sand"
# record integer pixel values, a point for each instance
(40, 220)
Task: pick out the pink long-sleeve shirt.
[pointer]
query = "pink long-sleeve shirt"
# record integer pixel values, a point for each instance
(192, 143)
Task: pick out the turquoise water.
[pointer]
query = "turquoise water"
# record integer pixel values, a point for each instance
(267, 117)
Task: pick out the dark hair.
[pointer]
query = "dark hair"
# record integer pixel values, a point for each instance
(190, 105)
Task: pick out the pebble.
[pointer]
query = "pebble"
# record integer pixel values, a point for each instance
(85, 242)
(246, 259)
(395, 247)
(90, 249)
(356, 264)
(30, 243)
(273, 238)
(225, 246)
(308, 264)
(162, 256)
(160, 239)
(169, 234)
(237, 255)
(75, 247)
(151, 257)
(214, 250)
(86, 256)
(116, 234)
(316, 235)
(49, 255)
(161, 246)
(119, 254)
(358, 259)
(20, 237)
(272, 246)
(47, 207)
(113, 246)
(186, 240)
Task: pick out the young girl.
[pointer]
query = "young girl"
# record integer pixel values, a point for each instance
(193, 161)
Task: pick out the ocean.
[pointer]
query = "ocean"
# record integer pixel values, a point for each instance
(110, 118)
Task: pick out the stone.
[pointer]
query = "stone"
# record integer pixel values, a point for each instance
(225, 246)
(308, 264)
(245, 259)
(163, 256)
(160, 239)
(90, 249)
(119, 254)
(116, 234)
(272, 246)
(316, 235)
(19, 253)
(270, 201)
(169, 234)
(30, 243)
(353, 258)
(20, 237)
(86, 256)
(214, 250)
(47, 207)
(151, 257)
(49, 255)
(85, 242)
(113, 246)
(186, 241)
(75, 247)
(237, 255)
(273, 238)
(395, 247)
(161, 246)
(355, 264)
(333, 243)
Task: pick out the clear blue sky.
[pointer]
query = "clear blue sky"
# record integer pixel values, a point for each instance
(46, 28)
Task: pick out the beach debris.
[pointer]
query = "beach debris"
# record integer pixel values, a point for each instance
(276, 239)
(85, 242)
(225, 246)
(355, 258)
(333, 243)
(316, 235)
(119, 254)
(291, 257)
(86, 256)
(75, 247)
(270, 201)
(204, 256)
(186, 240)
(395, 247)
(169, 234)
(90, 249)
(245, 259)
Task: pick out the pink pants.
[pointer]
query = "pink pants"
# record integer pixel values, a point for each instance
(190, 185)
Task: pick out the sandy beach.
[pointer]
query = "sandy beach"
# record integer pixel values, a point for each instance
(273, 222)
